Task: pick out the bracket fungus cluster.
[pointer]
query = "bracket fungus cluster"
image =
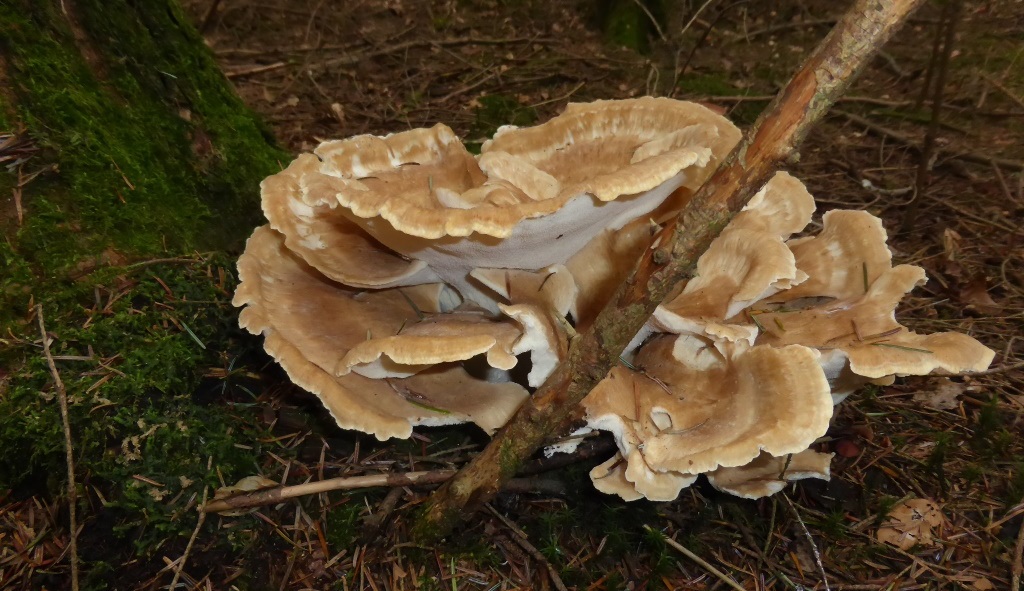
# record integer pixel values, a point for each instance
(407, 282)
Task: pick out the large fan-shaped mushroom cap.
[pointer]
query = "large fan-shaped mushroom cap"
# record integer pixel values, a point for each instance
(310, 323)
(688, 408)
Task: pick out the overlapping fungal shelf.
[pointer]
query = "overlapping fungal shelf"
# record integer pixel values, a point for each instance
(402, 280)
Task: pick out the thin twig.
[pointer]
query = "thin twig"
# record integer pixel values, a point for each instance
(996, 370)
(62, 398)
(1018, 560)
(272, 496)
(679, 52)
(924, 170)
(191, 541)
(814, 547)
(703, 563)
(653, 20)
(1006, 91)
(211, 13)
(278, 494)
(877, 129)
(520, 538)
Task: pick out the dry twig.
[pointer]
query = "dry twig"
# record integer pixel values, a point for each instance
(940, 59)
(520, 537)
(1018, 559)
(703, 563)
(191, 541)
(810, 540)
(62, 399)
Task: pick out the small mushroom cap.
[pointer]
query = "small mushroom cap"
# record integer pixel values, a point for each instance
(551, 288)
(309, 324)
(299, 202)
(405, 178)
(542, 336)
(741, 267)
(603, 264)
(748, 262)
(782, 207)
(864, 329)
(694, 409)
(768, 474)
(846, 257)
(633, 480)
(609, 477)
(623, 147)
(456, 336)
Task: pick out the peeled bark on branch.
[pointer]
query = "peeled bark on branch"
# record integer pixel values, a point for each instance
(673, 256)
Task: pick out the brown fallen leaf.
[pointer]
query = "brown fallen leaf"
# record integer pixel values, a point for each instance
(912, 522)
(942, 396)
(975, 294)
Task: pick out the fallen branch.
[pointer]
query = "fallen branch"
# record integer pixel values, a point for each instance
(275, 495)
(672, 258)
(272, 496)
(62, 399)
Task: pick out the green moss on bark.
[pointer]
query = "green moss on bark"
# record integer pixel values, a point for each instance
(154, 150)
(145, 152)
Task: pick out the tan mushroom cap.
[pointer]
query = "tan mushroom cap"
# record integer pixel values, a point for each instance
(551, 288)
(782, 207)
(694, 409)
(455, 336)
(603, 264)
(748, 262)
(740, 267)
(632, 479)
(299, 202)
(613, 148)
(768, 474)
(543, 337)
(864, 329)
(609, 477)
(846, 257)
(309, 323)
(425, 184)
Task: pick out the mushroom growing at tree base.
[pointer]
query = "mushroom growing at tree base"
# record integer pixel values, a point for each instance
(403, 281)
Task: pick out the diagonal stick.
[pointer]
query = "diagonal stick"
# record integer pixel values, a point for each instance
(62, 399)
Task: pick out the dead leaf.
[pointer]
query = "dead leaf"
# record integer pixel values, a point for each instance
(975, 294)
(912, 522)
(951, 243)
(942, 396)
(247, 484)
(846, 448)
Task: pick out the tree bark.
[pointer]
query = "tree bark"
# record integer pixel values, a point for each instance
(774, 139)
(146, 146)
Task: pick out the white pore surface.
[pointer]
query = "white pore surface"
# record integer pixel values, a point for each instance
(535, 243)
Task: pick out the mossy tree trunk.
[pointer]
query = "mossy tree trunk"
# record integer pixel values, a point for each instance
(153, 150)
(140, 154)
